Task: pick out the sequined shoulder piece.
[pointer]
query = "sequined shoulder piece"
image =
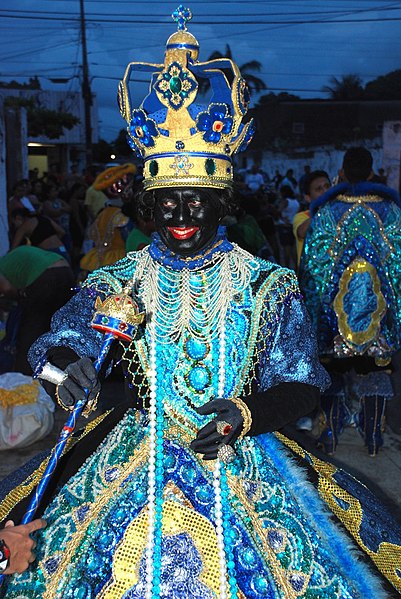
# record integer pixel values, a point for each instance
(275, 282)
(115, 277)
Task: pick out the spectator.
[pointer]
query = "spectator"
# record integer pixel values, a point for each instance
(42, 282)
(107, 230)
(39, 231)
(78, 220)
(254, 180)
(278, 177)
(317, 183)
(303, 179)
(287, 208)
(20, 198)
(289, 180)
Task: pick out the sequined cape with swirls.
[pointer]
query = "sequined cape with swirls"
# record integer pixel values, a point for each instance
(350, 271)
(284, 544)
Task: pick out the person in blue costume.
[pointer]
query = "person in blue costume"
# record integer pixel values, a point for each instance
(350, 277)
(190, 495)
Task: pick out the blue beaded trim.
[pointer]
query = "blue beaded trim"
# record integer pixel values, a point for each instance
(163, 255)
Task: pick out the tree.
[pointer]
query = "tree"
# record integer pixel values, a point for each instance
(33, 83)
(348, 87)
(386, 87)
(42, 121)
(272, 98)
(121, 147)
(255, 84)
(102, 151)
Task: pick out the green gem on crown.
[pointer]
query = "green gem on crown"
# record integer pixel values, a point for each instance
(175, 85)
(210, 166)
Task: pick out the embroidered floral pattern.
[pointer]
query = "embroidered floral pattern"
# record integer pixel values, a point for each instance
(175, 85)
(180, 571)
(143, 129)
(214, 122)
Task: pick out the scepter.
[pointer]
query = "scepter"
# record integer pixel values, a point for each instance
(118, 317)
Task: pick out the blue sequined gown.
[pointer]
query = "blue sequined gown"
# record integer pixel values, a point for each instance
(279, 539)
(350, 271)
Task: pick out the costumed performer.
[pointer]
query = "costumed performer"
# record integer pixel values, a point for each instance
(190, 495)
(106, 231)
(350, 277)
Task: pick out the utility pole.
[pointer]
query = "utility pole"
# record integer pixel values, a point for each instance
(86, 89)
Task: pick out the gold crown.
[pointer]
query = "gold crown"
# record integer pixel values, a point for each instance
(182, 141)
(119, 306)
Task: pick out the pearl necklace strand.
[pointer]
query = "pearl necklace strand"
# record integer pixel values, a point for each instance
(152, 466)
(216, 478)
(174, 295)
(152, 290)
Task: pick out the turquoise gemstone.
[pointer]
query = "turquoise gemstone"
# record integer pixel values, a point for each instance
(248, 557)
(169, 461)
(175, 85)
(203, 494)
(199, 378)
(196, 349)
(105, 541)
(94, 563)
(83, 591)
(188, 473)
(260, 583)
(140, 496)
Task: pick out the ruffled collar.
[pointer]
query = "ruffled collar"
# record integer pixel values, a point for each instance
(165, 256)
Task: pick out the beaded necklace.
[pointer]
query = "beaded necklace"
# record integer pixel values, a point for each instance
(172, 298)
(176, 296)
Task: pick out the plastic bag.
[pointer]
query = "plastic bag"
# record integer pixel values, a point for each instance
(26, 411)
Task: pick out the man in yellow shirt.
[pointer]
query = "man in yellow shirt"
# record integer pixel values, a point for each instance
(317, 183)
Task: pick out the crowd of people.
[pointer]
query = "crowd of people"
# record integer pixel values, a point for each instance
(187, 488)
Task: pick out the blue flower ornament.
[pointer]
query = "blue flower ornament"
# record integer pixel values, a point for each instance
(143, 129)
(214, 122)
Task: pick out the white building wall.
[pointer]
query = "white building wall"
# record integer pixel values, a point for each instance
(392, 153)
(327, 158)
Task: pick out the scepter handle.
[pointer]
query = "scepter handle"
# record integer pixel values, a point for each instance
(65, 434)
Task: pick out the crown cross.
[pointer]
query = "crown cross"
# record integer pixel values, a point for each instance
(181, 15)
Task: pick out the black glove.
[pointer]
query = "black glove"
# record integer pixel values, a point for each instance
(208, 439)
(81, 376)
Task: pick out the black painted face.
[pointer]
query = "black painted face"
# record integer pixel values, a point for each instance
(187, 219)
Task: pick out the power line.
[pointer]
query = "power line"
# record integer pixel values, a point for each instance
(391, 7)
(201, 21)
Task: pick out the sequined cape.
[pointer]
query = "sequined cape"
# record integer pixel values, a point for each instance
(283, 542)
(350, 271)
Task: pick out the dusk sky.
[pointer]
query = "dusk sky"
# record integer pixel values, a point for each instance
(300, 43)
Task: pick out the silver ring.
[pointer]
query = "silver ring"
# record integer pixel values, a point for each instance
(226, 453)
(223, 427)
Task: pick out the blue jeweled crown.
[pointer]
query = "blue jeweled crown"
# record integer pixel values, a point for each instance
(182, 141)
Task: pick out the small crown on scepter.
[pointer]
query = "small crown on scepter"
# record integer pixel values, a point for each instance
(119, 314)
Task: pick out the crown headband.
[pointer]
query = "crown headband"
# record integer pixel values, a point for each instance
(181, 141)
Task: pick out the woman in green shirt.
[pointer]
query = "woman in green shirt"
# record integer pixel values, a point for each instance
(41, 282)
